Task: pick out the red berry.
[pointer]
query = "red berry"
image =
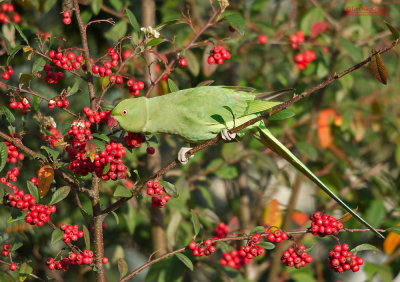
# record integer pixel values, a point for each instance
(182, 62)
(5, 75)
(192, 245)
(67, 21)
(13, 267)
(262, 39)
(105, 260)
(150, 150)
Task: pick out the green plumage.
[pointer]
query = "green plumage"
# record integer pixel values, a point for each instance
(201, 113)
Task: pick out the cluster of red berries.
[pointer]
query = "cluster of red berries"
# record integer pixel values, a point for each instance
(6, 249)
(7, 73)
(198, 250)
(67, 61)
(51, 76)
(234, 260)
(262, 39)
(276, 236)
(81, 165)
(296, 38)
(85, 258)
(13, 154)
(296, 257)
(340, 260)
(218, 55)
(182, 62)
(67, 17)
(5, 13)
(153, 189)
(134, 87)
(53, 137)
(134, 140)
(221, 231)
(71, 232)
(95, 117)
(39, 214)
(303, 60)
(105, 69)
(58, 265)
(252, 250)
(59, 103)
(323, 224)
(11, 175)
(21, 105)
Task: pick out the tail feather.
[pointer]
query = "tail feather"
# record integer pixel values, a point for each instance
(275, 145)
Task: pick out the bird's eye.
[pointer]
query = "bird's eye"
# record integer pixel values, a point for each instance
(124, 112)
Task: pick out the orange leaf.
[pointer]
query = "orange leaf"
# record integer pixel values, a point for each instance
(45, 177)
(91, 149)
(300, 218)
(391, 242)
(377, 68)
(325, 137)
(273, 214)
(347, 216)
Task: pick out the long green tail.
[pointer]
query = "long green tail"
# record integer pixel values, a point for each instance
(275, 145)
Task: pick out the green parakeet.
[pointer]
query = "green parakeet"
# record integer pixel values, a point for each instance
(201, 113)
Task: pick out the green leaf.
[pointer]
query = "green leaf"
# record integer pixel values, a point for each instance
(375, 213)
(218, 118)
(38, 65)
(133, 21)
(365, 247)
(3, 155)
(227, 172)
(266, 245)
(2, 192)
(72, 90)
(169, 188)
(137, 178)
(393, 30)
(16, 246)
(284, 114)
(86, 237)
(122, 267)
(257, 229)
(172, 86)
(56, 235)
(101, 137)
(192, 63)
(384, 272)
(20, 32)
(235, 20)
(196, 222)
(12, 53)
(96, 6)
(185, 260)
(24, 271)
(116, 217)
(154, 42)
(60, 194)
(308, 150)
(25, 78)
(353, 51)
(395, 229)
(33, 190)
(106, 168)
(117, 31)
(122, 191)
(6, 112)
(52, 152)
(100, 146)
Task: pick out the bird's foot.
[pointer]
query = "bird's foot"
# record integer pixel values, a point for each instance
(227, 136)
(182, 155)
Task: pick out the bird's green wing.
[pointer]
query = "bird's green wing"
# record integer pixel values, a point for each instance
(275, 145)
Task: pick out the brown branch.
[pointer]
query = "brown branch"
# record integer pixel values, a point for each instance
(228, 239)
(191, 44)
(282, 106)
(31, 274)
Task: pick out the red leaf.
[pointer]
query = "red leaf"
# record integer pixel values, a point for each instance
(317, 28)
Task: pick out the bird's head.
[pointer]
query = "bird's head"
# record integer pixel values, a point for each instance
(131, 114)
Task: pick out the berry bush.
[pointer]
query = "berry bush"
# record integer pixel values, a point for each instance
(81, 199)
